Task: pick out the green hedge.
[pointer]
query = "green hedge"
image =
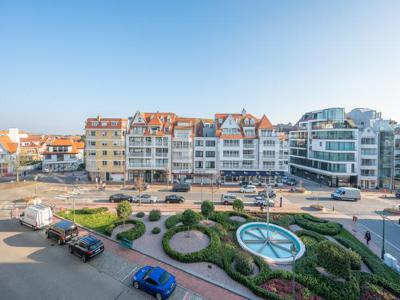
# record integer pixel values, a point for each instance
(322, 226)
(331, 257)
(130, 234)
(173, 220)
(199, 256)
(156, 230)
(140, 214)
(91, 211)
(368, 257)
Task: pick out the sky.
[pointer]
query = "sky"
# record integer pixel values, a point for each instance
(64, 61)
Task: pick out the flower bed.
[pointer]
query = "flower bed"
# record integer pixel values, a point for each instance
(130, 234)
(284, 289)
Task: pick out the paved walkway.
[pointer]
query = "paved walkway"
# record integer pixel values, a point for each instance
(192, 283)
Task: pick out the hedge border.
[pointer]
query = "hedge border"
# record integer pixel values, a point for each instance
(135, 232)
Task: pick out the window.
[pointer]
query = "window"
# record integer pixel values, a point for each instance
(268, 165)
(104, 143)
(210, 143)
(199, 143)
(117, 163)
(269, 143)
(230, 164)
(92, 143)
(368, 141)
(114, 123)
(92, 133)
(47, 156)
(117, 152)
(230, 153)
(210, 165)
(231, 143)
(104, 152)
(104, 163)
(104, 124)
(104, 133)
(95, 123)
(210, 153)
(117, 133)
(199, 153)
(198, 164)
(368, 151)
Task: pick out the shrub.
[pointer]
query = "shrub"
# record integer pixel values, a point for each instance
(154, 215)
(140, 214)
(317, 206)
(173, 220)
(238, 205)
(332, 258)
(156, 230)
(91, 211)
(207, 208)
(190, 218)
(318, 225)
(124, 210)
(132, 233)
(244, 263)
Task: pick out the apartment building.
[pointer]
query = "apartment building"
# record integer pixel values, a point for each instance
(62, 155)
(32, 148)
(105, 148)
(148, 147)
(397, 157)
(205, 152)
(8, 156)
(324, 148)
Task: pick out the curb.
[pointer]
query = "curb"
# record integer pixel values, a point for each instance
(167, 263)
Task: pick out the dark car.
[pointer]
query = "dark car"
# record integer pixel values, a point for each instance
(155, 281)
(120, 197)
(398, 193)
(174, 199)
(85, 247)
(181, 187)
(291, 182)
(62, 231)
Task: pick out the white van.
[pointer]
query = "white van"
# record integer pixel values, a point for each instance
(36, 216)
(345, 193)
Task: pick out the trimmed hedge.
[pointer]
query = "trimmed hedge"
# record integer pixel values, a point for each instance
(91, 211)
(156, 230)
(330, 256)
(140, 214)
(318, 225)
(173, 220)
(130, 234)
(244, 263)
(198, 256)
(154, 215)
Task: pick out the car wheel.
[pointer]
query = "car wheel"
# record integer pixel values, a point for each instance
(180, 201)
(226, 203)
(71, 250)
(136, 285)
(159, 296)
(84, 258)
(167, 201)
(111, 200)
(59, 242)
(47, 235)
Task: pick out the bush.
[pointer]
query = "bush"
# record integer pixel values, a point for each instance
(355, 259)
(318, 225)
(244, 263)
(238, 205)
(154, 215)
(317, 206)
(91, 211)
(132, 233)
(332, 258)
(156, 230)
(207, 208)
(190, 218)
(173, 220)
(140, 214)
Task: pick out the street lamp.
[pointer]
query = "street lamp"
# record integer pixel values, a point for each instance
(36, 178)
(383, 236)
(293, 251)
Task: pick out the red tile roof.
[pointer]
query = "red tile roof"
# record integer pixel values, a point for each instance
(265, 123)
(8, 145)
(120, 123)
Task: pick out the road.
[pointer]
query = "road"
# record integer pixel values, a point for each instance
(32, 267)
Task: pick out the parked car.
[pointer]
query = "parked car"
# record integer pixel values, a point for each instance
(46, 170)
(271, 194)
(62, 231)
(120, 197)
(155, 281)
(398, 194)
(36, 216)
(278, 183)
(248, 189)
(85, 247)
(174, 199)
(345, 193)
(262, 201)
(145, 198)
(228, 198)
(291, 181)
(181, 187)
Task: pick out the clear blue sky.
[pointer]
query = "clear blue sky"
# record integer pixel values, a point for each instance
(64, 61)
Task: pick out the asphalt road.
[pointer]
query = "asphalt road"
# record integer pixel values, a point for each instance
(32, 267)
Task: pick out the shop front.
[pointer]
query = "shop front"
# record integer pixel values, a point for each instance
(254, 177)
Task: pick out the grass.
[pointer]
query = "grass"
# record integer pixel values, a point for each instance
(97, 222)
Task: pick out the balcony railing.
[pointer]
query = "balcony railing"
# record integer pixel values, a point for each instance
(147, 165)
(249, 156)
(248, 146)
(140, 144)
(135, 154)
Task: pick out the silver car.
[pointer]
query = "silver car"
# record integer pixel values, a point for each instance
(145, 198)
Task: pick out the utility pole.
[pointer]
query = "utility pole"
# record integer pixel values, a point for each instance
(383, 236)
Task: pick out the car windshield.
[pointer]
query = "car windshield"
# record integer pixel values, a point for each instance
(164, 278)
(95, 246)
(145, 196)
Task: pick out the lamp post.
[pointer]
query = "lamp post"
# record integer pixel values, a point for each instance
(293, 251)
(36, 178)
(383, 236)
(267, 192)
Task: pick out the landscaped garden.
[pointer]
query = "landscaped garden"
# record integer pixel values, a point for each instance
(335, 265)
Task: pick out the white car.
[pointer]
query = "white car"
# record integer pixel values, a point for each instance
(145, 198)
(228, 198)
(261, 201)
(248, 189)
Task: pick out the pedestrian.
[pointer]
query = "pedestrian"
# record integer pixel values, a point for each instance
(367, 237)
(262, 207)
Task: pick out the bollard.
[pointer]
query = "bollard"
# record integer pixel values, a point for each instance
(280, 202)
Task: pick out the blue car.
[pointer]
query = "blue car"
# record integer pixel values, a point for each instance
(155, 281)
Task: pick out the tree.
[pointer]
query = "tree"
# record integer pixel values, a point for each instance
(124, 210)
(207, 208)
(190, 218)
(238, 205)
(334, 259)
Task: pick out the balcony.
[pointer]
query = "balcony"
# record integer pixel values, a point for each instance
(162, 155)
(136, 154)
(249, 156)
(248, 146)
(147, 165)
(140, 144)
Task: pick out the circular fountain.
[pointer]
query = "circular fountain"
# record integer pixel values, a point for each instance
(273, 243)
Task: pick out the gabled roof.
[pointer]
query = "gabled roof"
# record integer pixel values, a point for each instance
(8, 145)
(155, 121)
(265, 123)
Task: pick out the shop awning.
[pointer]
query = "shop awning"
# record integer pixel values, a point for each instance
(251, 173)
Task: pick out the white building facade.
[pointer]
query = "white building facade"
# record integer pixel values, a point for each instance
(62, 155)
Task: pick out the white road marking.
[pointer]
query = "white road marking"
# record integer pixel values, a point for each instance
(386, 241)
(129, 273)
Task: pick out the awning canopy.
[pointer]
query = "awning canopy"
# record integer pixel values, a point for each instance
(252, 173)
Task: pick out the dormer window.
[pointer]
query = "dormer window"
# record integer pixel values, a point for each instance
(162, 119)
(114, 123)
(95, 123)
(104, 124)
(246, 121)
(220, 121)
(252, 121)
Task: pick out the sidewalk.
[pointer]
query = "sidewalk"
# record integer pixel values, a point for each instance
(190, 282)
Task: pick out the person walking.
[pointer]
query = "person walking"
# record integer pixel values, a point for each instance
(367, 237)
